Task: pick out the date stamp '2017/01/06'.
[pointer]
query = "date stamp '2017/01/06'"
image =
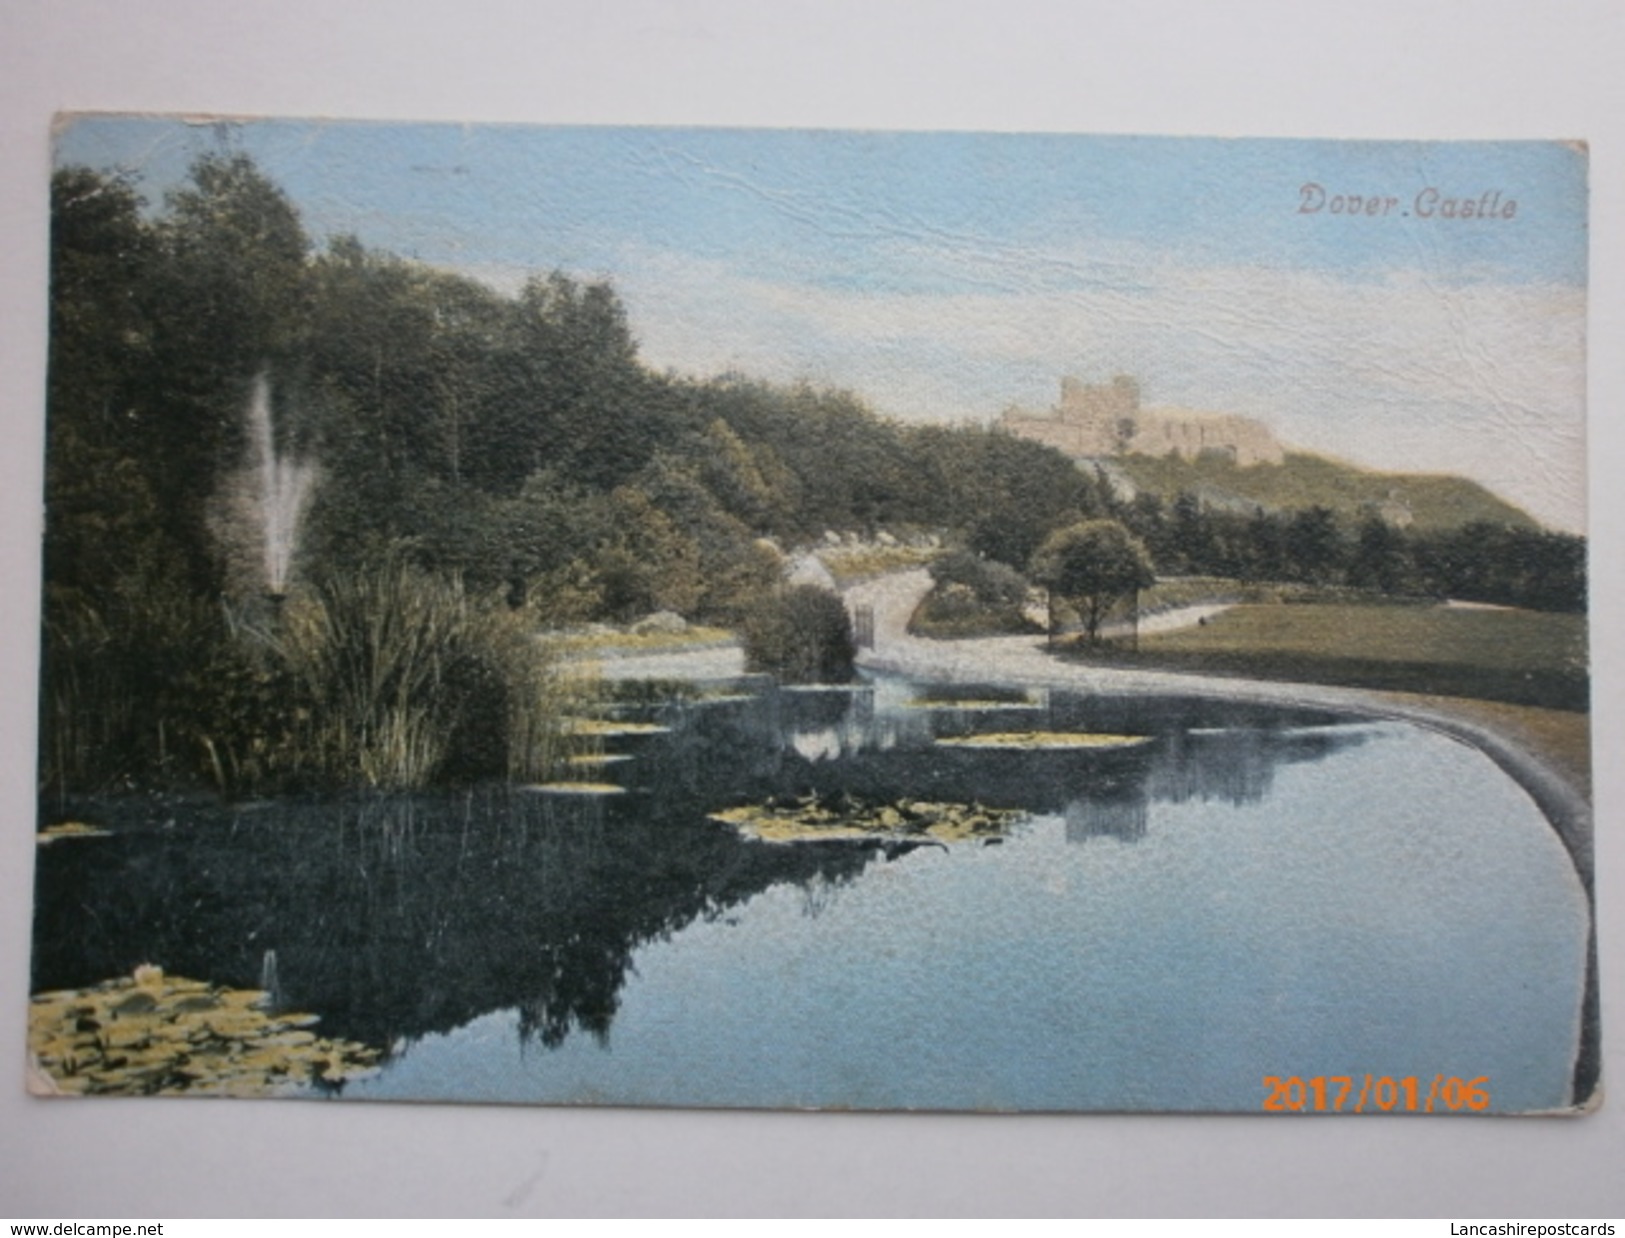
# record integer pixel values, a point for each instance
(1376, 1094)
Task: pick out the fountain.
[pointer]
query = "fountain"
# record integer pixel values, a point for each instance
(270, 985)
(280, 487)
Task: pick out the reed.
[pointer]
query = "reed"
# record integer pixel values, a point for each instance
(119, 685)
(405, 680)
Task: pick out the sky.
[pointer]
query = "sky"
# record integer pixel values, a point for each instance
(946, 276)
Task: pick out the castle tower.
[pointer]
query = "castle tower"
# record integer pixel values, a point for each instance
(1107, 419)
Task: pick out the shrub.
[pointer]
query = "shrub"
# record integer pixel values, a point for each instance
(991, 582)
(802, 634)
(972, 596)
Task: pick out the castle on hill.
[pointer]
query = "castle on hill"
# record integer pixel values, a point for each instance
(1107, 419)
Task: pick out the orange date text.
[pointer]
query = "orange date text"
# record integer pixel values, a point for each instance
(1375, 1094)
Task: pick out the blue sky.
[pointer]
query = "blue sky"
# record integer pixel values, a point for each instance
(945, 276)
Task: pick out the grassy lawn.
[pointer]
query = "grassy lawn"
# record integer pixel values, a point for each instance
(1173, 591)
(1520, 673)
(1513, 656)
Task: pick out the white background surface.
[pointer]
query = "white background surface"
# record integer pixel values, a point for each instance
(1363, 68)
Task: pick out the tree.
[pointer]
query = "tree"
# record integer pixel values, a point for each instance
(1381, 559)
(1191, 535)
(562, 389)
(1314, 545)
(650, 564)
(1093, 565)
(1006, 494)
(399, 352)
(228, 298)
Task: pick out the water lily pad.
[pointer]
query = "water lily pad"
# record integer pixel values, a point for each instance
(609, 728)
(1032, 741)
(69, 829)
(841, 818)
(969, 703)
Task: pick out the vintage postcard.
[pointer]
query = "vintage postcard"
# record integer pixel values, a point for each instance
(815, 619)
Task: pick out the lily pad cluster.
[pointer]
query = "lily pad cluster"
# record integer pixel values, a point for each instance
(832, 818)
(150, 1033)
(592, 732)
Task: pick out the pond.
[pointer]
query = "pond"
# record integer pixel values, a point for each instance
(1248, 891)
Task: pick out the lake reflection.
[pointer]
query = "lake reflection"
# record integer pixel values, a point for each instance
(1256, 891)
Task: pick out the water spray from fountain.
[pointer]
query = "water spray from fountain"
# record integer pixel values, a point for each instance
(281, 489)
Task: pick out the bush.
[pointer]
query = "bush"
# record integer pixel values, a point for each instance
(973, 596)
(991, 582)
(802, 634)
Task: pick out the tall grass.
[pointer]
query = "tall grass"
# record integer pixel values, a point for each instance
(118, 685)
(403, 680)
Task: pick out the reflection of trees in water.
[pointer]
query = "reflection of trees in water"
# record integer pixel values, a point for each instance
(820, 891)
(824, 726)
(396, 918)
(1234, 766)
(1237, 767)
(1122, 817)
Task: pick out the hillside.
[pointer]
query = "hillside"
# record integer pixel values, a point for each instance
(1435, 500)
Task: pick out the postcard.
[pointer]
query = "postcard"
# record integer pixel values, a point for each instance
(776, 619)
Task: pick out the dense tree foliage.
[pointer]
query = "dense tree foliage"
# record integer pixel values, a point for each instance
(512, 444)
(1481, 562)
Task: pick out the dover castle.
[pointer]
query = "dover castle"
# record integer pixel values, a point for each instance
(1107, 419)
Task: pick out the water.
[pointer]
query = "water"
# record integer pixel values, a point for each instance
(1257, 892)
